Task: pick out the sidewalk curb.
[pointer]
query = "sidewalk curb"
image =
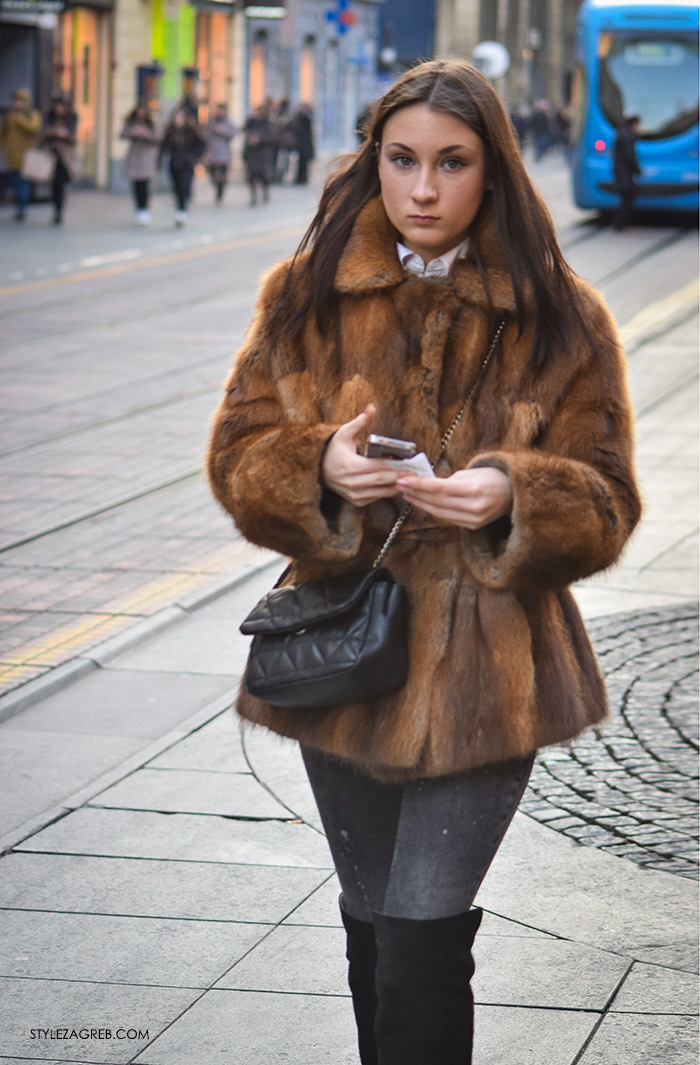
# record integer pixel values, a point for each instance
(15, 702)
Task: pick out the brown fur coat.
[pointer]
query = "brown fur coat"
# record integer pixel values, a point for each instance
(500, 661)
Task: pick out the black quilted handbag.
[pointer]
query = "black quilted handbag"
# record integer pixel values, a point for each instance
(327, 642)
(339, 640)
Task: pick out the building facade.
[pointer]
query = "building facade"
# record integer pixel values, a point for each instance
(108, 54)
(539, 36)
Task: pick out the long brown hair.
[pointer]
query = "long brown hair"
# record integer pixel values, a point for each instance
(522, 222)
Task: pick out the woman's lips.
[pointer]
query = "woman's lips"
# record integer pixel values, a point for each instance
(423, 219)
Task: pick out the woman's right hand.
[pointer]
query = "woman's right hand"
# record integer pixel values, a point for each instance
(358, 479)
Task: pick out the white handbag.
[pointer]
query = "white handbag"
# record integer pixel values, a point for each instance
(38, 164)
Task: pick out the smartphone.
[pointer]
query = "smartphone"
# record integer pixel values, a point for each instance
(386, 447)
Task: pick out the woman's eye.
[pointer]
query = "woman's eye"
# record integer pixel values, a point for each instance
(453, 164)
(402, 160)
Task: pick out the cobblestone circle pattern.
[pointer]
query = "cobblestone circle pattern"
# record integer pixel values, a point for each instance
(630, 787)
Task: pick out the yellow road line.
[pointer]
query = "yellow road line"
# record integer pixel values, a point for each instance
(146, 264)
(70, 639)
(657, 313)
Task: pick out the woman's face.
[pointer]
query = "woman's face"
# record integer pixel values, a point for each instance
(432, 171)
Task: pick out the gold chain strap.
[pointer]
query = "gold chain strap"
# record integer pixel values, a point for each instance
(445, 441)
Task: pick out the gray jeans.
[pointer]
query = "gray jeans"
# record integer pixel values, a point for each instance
(418, 849)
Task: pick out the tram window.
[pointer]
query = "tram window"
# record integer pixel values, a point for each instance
(653, 77)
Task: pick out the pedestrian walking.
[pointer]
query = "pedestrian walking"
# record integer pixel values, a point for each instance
(541, 128)
(625, 168)
(183, 142)
(219, 133)
(59, 137)
(140, 164)
(19, 131)
(429, 301)
(283, 138)
(303, 125)
(258, 154)
(519, 122)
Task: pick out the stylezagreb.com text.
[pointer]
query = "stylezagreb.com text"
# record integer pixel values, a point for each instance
(86, 1034)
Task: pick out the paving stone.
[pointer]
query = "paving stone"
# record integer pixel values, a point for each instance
(62, 946)
(544, 973)
(544, 880)
(56, 1004)
(279, 764)
(121, 703)
(643, 1040)
(183, 837)
(216, 747)
(120, 886)
(652, 989)
(298, 959)
(39, 772)
(193, 791)
(515, 1036)
(277, 1029)
(682, 956)
(321, 908)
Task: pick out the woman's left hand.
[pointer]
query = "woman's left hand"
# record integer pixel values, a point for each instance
(470, 498)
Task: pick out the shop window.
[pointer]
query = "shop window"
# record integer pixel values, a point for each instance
(258, 69)
(307, 71)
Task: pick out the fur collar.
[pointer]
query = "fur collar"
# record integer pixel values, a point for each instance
(369, 262)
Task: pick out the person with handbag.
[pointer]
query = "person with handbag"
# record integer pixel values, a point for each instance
(428, 304)
(59, 138)
(19, 132)
(140, 163)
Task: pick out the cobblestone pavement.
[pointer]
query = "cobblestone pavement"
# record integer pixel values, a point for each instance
(631, 787)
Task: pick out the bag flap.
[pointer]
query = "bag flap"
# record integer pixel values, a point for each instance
(300, 605)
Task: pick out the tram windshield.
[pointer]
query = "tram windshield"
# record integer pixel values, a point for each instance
(653, 76)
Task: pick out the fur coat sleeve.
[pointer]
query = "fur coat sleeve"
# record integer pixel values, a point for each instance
(575, 501)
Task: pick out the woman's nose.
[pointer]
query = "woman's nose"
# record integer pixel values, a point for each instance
(425, 187)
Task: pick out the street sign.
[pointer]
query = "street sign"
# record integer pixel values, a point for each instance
(342, 16)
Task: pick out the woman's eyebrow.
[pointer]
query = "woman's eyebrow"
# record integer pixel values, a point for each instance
(397, 146)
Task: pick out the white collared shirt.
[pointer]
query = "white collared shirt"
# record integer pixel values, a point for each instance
(440, 267)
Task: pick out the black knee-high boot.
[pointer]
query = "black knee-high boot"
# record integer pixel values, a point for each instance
(362, 959)
(425, 1006)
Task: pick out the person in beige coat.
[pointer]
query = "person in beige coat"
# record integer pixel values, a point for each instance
(429, 242)
(141, 160)
(19, 131)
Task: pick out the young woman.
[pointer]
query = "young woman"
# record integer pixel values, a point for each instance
(183, 142)
(427, 241)
(140, 162)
